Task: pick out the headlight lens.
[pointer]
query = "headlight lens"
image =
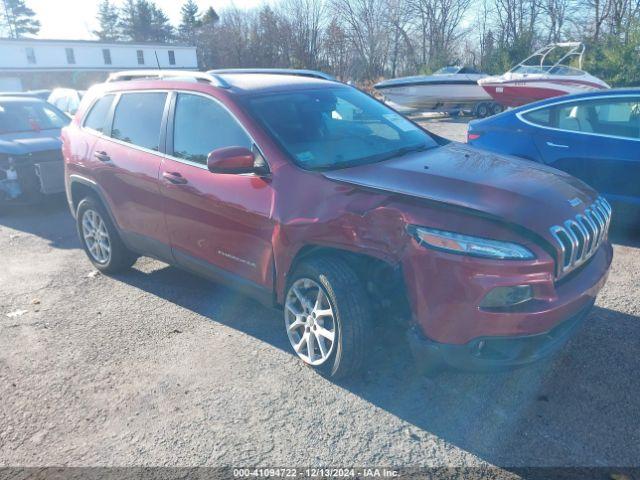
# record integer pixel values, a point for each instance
(468, 245)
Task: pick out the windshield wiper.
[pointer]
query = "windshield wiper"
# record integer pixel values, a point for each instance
(379, 157)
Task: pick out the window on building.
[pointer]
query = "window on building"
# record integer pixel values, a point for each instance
(31, 55)
(71, 56)
(138, 117)
(106, 55)
(193, 137)
(172, 57)
(140, 57)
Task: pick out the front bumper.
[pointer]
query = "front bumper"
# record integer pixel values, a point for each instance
(37, 175)
(495, 353)
(445, 293)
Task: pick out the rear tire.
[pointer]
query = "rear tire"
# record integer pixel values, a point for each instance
(100, 238)
(496, 109)
(325, 300)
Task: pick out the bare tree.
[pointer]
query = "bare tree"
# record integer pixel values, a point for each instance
(439, 26)
(336, 49)
(597, 13)
(556, 12)
(306, 20)
(399, 16)
(367, 30)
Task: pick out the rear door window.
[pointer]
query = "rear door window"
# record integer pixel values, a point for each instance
(202, 125)
(138, 117)
(97, 117)
(618, 117)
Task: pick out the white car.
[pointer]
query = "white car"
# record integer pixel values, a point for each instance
(66, 99)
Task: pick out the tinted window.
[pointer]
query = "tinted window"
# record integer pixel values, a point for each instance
(202, 125)
(539, 117)
(138, 117)
(97, 117)
(332, 128)
(172, 57)
(24, 117)
(619, 117)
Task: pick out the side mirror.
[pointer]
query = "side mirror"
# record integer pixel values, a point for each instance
(231, 160)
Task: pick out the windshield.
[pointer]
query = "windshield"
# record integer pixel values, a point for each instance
(336, 128)
(447, 70)
(32, 116)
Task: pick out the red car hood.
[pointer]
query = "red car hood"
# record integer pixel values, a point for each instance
(517, 191)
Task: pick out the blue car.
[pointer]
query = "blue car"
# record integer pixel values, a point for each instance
(31, 163)
(593, 136)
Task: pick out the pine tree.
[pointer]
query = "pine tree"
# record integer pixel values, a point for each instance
(109, 21)
(161, 28)
(142, 25)
(205, 40)
(190, 22)
(210, 17)
(18, 19)
(128, 19)
(144, 21)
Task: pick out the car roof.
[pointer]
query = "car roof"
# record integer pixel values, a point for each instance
(236, 83)
(276, 71)
(265, 82)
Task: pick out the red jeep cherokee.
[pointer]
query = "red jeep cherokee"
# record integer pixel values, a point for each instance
(310, 195)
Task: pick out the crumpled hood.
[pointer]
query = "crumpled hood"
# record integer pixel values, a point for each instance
(517, 191)
(23, 143)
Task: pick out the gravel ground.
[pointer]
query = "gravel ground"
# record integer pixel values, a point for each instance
(158, 367)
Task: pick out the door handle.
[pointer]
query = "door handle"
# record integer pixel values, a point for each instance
(102, 156)
(174, 177)
(557, 145)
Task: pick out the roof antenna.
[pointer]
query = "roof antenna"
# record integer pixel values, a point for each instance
(155, 52)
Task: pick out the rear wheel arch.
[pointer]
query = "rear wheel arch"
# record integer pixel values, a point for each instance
(81, 188)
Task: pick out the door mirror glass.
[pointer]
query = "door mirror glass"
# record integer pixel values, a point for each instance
(231, 160)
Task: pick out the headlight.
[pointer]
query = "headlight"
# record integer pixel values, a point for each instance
(468, 245)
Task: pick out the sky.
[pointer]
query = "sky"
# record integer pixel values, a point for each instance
(76, 19)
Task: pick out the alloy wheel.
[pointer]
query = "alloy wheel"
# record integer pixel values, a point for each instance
(96, 236)
(310, 321)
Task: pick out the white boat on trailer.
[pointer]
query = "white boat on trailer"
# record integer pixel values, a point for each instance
(539, 76)
(452, 89)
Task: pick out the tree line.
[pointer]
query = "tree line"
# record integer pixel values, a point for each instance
(364, 40)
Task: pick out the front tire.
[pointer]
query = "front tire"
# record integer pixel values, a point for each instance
(327, 317)
(100, 238)
(482, 110)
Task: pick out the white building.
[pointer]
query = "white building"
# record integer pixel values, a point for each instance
(27, 64)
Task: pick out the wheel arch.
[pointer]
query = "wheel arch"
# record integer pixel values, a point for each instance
(81, 187)
(382, 279)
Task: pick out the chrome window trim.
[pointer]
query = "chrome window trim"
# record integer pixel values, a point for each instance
(169, 93)
(520, 115)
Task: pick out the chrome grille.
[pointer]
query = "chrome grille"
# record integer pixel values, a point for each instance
(578, 238)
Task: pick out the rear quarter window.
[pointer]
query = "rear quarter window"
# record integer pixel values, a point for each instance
(539, 117)
(97, 117)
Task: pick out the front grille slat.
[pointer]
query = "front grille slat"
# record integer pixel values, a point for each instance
(578, 238)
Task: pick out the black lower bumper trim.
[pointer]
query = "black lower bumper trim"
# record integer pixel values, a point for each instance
(495, 353)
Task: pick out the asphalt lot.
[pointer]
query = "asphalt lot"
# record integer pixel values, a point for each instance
(158, 367)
